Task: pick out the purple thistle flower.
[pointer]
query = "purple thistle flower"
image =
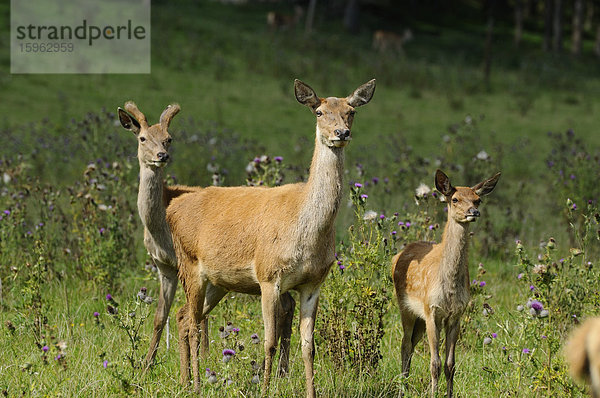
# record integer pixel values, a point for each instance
(474, 282)
(236, 330)
(56, 358)
(401, 223)
(96, 314)
(574, 206)
(407, 224)
(394, 232)
(358, 185)
(7, 212)
(339, 262)
(109, 297)
(482, 284)
(526, 351)
(396, 214)
(255, 339)
(431, 227)
(572, 176)
(536, 305)
(102, 230)
(45, 348)
(494, 335)
(256, 160)
(544, 336)
(382, 216)
(278, 159)
(342, 267)
(531, 287)
(364, 196)
(228, 351)
(520, 276)
(105, 364)
(375, 180)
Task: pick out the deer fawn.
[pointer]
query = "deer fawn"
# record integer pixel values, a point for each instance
(432, 280)
(279, 21)
(583, 354)
(268, 241)
(153, 198)
(384, 41)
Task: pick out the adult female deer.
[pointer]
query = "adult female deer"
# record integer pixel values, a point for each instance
(153, 198)
(432, 280)
(268, 240)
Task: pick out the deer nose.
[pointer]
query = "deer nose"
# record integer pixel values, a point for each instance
(162, 156)
(342, 134)
(474, 212)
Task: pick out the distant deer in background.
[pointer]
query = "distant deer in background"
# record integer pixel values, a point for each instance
(583, 354)
(279, 21)
(384, 41)
(268, 241)
(153, 198)
(432, 280)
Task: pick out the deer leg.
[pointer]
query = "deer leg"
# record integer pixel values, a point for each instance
(214, 294)
(452, 330)
(284, 331)
(406, 350)
(270, 303)
(433, 336)
(168, 286)
(195, 302)
(309, 300)
(184, 344)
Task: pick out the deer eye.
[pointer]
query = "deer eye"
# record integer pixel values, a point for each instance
(169, 140)
(319, 113)
(454, 200)
(477, 202)
(142, 139)
(352, 113)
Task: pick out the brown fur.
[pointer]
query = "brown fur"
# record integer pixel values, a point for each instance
(279, 21)
(268, 240)
(384, 41)
(432, 280)
(157, 233)
(583, 354)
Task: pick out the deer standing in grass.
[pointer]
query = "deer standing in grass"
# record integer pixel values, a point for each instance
(153, 198)
(583, 354)
(268, 241)
(432, 280)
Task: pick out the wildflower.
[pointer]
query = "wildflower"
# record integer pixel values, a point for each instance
(431, 227)
(105, 364)
(45, 348)
(375, 180)
(531, 287)
(487, 341)
(255, 339)
(229, 327)
(96, 314)
(255, 379)
(256, 160)
(540, 269)
(278, 159)
(369, 215)
(358, 185)
(7, 212)
(520, 276)
(482, 284)
(102, 230)
(207, 372)
(422, 191)
(364, 196)
(265, 159)
(109, 297)
(407, 224)
(544, 336)
(142, 294)
(227, 355)
(394, 232)
(494, 335)
(236, 330)
(212, 379)
(223, 333)
(526, 351)
(401, 223)
(382, 216)
(58, 357)
(482, 155)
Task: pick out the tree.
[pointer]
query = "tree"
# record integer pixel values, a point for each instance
(577, 26)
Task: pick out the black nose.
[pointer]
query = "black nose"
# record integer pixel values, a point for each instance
(474, 212)
(342, 134)
(163, 156)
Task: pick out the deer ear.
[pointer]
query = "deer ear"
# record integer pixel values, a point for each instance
(442, 183)
(362, 95)
(487, 186)
(128, 121)
(306, 95)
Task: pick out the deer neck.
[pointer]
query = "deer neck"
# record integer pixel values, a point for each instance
(323, 191)
(150, 200)
(454, 263)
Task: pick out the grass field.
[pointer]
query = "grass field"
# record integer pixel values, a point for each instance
(61, 254)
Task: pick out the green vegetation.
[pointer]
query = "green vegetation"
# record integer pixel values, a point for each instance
(70, 234)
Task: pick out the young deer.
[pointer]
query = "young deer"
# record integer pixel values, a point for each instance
(153, 198)
(384, 41)
(279, 21)
(432, 280)
(583, 354)
(268, 241)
